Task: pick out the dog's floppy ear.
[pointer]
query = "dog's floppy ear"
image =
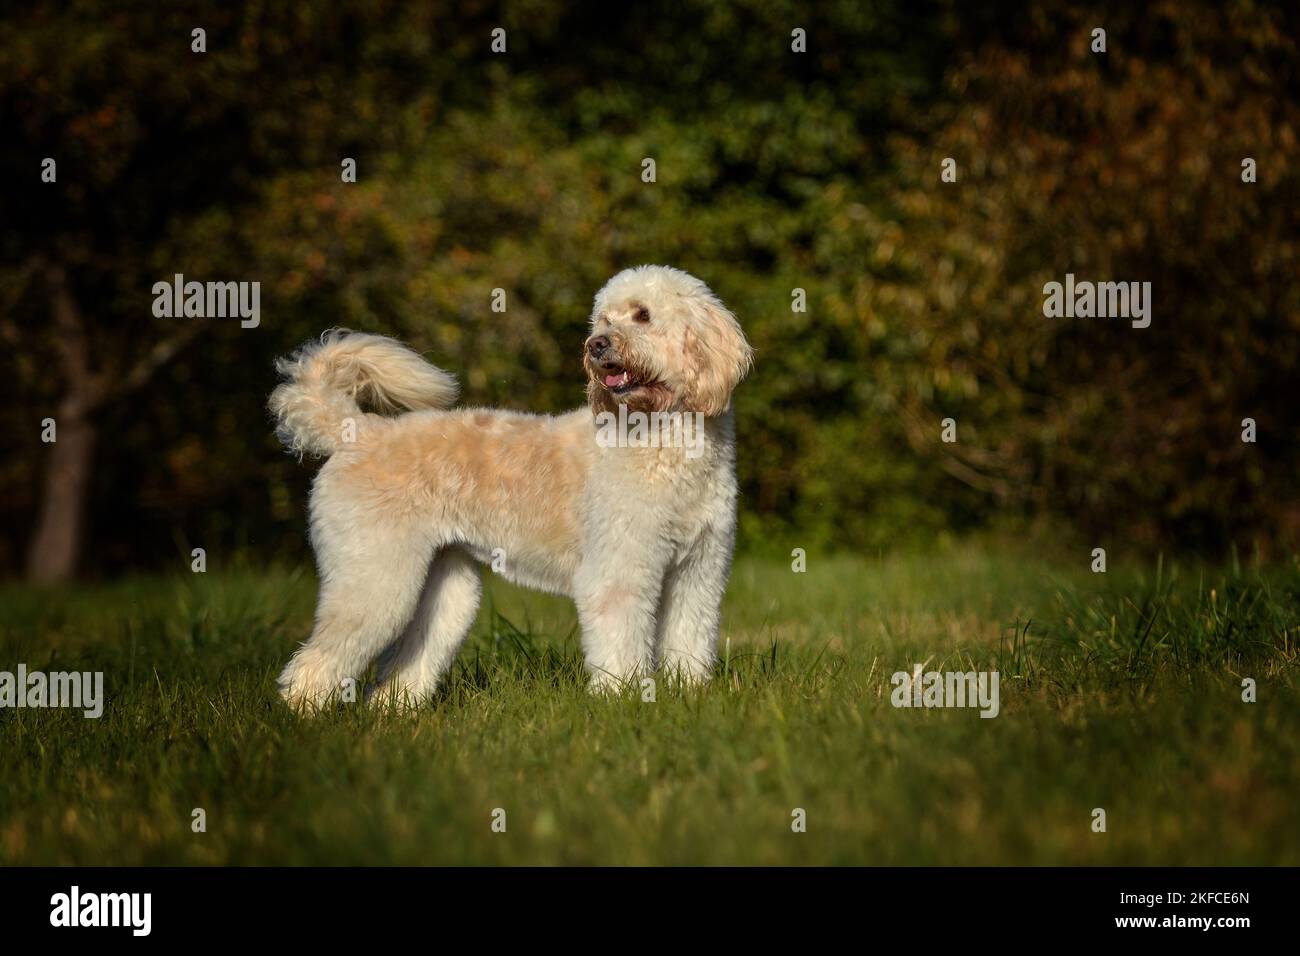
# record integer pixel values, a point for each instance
(717, 355)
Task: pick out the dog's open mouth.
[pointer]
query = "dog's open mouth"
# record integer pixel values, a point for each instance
(621, 381)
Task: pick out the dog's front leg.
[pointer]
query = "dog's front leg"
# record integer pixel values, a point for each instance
(617, 599)
(690, 611)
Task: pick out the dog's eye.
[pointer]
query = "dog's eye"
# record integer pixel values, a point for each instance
(642, 314)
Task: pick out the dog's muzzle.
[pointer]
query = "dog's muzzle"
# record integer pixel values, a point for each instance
(608, 366)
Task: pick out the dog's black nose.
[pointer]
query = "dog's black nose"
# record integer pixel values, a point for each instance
(597, 345)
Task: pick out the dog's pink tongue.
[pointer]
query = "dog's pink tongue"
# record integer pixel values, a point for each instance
(612, 380)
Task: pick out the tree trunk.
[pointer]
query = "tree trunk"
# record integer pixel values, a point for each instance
(56, 543)
(60, 522)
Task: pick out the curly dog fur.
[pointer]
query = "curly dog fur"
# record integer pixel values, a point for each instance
(638, 534)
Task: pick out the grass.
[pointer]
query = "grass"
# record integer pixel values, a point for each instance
(1121, 691)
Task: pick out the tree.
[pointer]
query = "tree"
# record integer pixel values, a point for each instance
(1123, 166)
(157, 147)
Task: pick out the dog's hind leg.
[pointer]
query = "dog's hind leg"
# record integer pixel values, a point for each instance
(370, 586)
(410, 670)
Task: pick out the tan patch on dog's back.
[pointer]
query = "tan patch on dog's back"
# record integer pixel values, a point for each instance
(510, 475)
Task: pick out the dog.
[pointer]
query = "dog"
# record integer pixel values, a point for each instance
(639, 534)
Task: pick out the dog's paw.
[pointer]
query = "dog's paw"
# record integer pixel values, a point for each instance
(395, 698)
(301, 701)
(687, 673)
(308, 692)
(607, 684)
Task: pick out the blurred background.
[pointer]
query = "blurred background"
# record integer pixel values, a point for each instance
(775, 170)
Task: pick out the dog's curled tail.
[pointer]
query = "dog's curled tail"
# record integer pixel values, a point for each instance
(326, 383)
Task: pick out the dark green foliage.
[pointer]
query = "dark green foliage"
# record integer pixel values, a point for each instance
(775, 171)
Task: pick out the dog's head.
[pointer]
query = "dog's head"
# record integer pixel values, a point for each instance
(662, 341)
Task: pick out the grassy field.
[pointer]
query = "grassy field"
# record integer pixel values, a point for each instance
(1120, 691)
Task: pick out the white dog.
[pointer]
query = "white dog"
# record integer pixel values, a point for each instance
(639, 533)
